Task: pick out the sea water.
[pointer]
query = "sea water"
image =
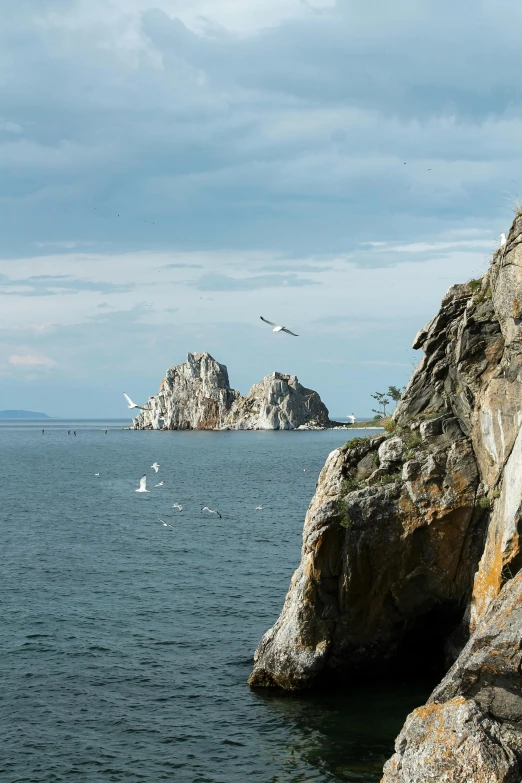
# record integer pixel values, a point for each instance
(125, 645)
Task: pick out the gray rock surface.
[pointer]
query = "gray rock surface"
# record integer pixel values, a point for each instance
(194, 395)
(412, 540)
(454, 743)
(279, 402)
(471, 727)
(197, 395)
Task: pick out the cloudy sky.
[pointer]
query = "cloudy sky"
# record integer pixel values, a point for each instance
(170, 170)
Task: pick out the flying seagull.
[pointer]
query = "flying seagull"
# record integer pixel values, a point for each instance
(211, 511)
(155, 466)
(165, 523)
(259, 508)
(351, 418)
(96, 474)
(160, 484)
(178, 506)
(278, 328)
(503, 240)
(143, 485)
(133, 404)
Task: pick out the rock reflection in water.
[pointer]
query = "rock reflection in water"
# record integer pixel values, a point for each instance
(342, 734)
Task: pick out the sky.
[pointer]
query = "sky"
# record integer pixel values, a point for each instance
(172, 170)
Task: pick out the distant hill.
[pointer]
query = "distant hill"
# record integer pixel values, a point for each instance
(23, 415)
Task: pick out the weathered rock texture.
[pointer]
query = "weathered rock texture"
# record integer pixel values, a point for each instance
(196, 395)
(471, 727)
(279, 402)
(413, 536)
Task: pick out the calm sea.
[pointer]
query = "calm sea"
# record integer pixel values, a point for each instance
(125, 645)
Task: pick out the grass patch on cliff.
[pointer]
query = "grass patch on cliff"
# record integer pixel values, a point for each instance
(349, 484)
(411, 439)
(480, 295)
(344, 519)
(388, 478)
(354, 442)
(483, 296)
(484, 502)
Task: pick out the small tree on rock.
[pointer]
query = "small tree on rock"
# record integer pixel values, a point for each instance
(395, 393)
(383, 402)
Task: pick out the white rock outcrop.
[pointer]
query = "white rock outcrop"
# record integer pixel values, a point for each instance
(196, 395)
(279, 402)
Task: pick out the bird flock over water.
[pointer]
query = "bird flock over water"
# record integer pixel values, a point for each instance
(177, 507)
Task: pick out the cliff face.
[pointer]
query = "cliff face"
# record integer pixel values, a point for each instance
(279, 402)
(197, 395)
(412, 539)
(471, 727)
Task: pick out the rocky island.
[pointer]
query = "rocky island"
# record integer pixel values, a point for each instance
(196, 395)
(412, 546)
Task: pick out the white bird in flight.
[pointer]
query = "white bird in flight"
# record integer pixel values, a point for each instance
(178, 506)
(211, 511)
(278, 328)
(155, 466)
(160, 484)
(96, 474)
(165, 523)
(351, 418)
(133, 404)
(143, 485)
(259, 508)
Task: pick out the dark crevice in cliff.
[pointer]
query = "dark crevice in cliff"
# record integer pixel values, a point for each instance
(419, 646)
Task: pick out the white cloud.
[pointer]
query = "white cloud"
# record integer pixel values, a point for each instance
(31, 361)
(65, 244)
(430, 247)
(10, 127)
(203, 16)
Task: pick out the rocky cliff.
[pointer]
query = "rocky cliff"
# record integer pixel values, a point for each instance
(279, 402)
(197, 395)
(412, 542)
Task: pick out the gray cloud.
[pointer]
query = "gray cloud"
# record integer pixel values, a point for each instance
(53, 285)
(291, 139)
(284, 266)
(220, 282)
(182, 266)
(136, 131)
(428, 64)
